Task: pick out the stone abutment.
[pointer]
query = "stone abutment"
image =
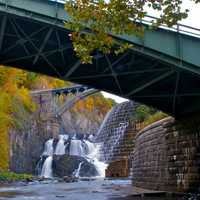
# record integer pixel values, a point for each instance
(167, 156)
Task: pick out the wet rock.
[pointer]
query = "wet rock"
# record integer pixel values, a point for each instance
(70, 179)
(60, 196)
(55, 142)
(88, 169)
(87, 179)
(66, 165)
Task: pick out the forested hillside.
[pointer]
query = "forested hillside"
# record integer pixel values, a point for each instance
(16, 103)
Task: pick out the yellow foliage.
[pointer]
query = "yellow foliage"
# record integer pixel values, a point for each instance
(4, 153)
(95, 102)
(23, 94)
(15, 86)
(45, 82)
(12, 94)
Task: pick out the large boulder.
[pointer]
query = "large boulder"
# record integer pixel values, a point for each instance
(66, 165)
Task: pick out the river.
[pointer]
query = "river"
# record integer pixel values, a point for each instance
(82, 190)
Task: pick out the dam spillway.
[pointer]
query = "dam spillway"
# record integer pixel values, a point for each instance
(117, 137)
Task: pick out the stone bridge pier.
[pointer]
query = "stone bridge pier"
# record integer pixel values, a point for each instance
(166, 156)
(45, 112)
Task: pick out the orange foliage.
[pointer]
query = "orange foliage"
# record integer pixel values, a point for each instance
(94, 103)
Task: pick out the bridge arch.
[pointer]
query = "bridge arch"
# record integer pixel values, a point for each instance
(79, 93)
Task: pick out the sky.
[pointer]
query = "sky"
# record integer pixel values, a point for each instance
(193, 20)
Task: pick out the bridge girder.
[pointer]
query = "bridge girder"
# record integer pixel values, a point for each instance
(36, 40)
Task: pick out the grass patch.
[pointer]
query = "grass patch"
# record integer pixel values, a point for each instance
(11, 176)
(153, 118)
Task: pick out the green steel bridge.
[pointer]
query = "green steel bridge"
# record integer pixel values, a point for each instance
(161, 70)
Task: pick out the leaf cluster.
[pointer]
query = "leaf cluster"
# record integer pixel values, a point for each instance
(94, 22)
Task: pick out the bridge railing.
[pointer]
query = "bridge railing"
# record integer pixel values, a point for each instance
(179, 28)
(59, 91)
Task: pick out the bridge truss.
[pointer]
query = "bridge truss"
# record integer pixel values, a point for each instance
(162, 69)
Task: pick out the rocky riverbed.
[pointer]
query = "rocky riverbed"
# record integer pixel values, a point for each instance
(83, 190)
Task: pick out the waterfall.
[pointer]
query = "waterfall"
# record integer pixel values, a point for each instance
(100, 167)
(89, 147)
(82, 148)
(90, 151)
(60, 148)
(48, 150)
(93, 157)
(76, 148)
(47, 168)
(104, 122)
(77, 171)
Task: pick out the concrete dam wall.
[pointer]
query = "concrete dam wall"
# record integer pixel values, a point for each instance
(167, 156)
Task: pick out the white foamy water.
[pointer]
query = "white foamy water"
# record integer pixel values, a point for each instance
(82, 148)
(48, 149)
(47, 168)
(76, 148)
(93, 157)
(60, 148)
(77, 171)
(90, 151)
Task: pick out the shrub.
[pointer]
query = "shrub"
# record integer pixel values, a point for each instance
(11, 176)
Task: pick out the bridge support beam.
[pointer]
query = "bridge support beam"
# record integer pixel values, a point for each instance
(2, 30)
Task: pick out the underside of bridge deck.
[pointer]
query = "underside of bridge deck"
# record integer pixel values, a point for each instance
(46, 48)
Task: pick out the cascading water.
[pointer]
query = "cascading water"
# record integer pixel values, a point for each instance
(77, 171)
(104, 123)
(60, 148)
(93, 156)
(48, 149)
(47, 168)
(80, 148)
(76, 148)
